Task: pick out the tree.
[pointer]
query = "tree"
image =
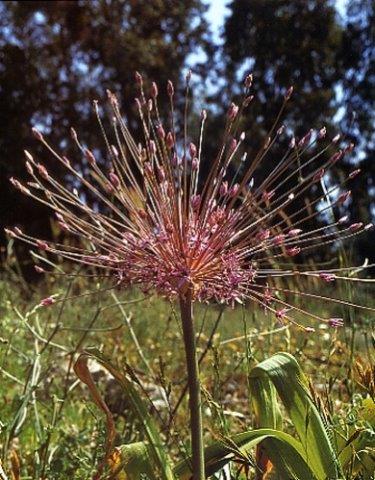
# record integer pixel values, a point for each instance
(299, 43)
(357, 58)
(57, 56)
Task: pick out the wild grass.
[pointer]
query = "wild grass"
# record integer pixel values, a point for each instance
(49, 426)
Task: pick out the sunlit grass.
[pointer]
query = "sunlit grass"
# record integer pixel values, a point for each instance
(47, 416)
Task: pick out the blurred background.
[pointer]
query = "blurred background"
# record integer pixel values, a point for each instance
(57, 56)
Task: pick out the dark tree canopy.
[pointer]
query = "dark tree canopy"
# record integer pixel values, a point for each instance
(307, 45)
(57, 56)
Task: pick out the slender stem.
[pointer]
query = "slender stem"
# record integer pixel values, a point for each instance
(194, 387)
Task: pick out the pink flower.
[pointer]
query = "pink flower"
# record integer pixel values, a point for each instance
(46, 302)
(336, 322)
(166, 227)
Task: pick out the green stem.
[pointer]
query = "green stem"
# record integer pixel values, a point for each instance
(196, 428)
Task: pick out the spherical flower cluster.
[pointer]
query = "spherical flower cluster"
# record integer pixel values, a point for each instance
(158, 223)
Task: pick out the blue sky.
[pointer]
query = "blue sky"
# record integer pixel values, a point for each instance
(218, 10)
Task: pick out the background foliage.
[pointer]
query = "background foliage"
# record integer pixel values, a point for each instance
(56, 57)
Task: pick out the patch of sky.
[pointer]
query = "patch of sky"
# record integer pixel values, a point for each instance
(40, 18)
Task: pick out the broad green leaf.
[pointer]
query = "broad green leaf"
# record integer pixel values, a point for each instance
(160, 460)
(292, 387)
(265, 403)
(286, 454)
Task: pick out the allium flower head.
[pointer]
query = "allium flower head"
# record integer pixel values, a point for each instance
(160, 222)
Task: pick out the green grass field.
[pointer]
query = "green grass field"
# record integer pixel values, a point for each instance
(51, 429)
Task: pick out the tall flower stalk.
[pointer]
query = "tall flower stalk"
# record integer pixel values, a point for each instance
(158, 222)
(196, 425)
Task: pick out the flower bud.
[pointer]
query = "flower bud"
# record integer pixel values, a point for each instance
(138, 79)
(234, 190)
(42, 171)
(192, 150)
(281, 313)
(160, 131)
(322, 133)
(309, 329)
(289, 93)
(195, 201)
(73, 134)
(223, 189)
(90, 157)
(266, 196)
(28, 156)
(336, 322)
(327, 277)
(142, 213)
(319, 175)
(148, 168)
(114, 151)
(294, 232)
(336, 157)
(278, 239)
(46, 302)
(152, 147)
(349, 148)
(263, 235)
(154, 90)
(64, 226)
(138, 104)
(232, 145)
(194, 164)
(29, 168)
(280, 130)
(354, 173)
(248, 80)
(232, 111)
(161, 174)
(169, 140)
(305, 139)
(112, 98)
(170, 88)
(354, 227)
(292, 252)
(343, 219)
(248, 100)
(343, 197)
(10, 232)
(114, 179)
(37, 134)
(42, 245)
